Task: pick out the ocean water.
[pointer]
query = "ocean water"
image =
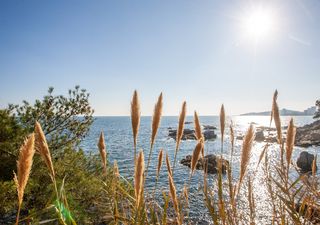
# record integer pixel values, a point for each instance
(119, 142)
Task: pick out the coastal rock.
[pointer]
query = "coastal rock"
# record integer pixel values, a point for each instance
(304, 162)
(259, 136)
(188, 122)
(212, 161)
(189, 134)
(308, 135)
(209, 127)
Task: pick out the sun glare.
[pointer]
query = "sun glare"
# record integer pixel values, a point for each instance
(258, 24)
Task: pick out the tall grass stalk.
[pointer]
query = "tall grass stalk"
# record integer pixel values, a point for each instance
(180, 130)
(103, 152)
(157, 112)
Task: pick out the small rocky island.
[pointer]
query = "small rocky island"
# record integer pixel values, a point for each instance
(212, 163)
(306, 136)
(189, 134)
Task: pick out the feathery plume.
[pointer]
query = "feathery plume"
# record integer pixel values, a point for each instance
(291, 133)
(103, 153)
(168, 164)
(42, 147)
(197, 126)
(180, 131)
(276, 116)
(181, 124)
(222, 122)
(138, 178)
(274, 99)
(135, 119)
(156, 119)
(196, 155)
(24, 165)
(160, 156)
(246, 151)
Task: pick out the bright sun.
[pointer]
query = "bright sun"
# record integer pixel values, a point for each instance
(258, 24)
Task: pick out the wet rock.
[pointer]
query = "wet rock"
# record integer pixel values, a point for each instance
(188, 122)
(304, 162)
(209, 135)
(211, 160)
(259, 136)
(209, 127)
(308, 135)
(189, 134)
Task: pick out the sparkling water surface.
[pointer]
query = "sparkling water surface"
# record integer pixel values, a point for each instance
(119, 142)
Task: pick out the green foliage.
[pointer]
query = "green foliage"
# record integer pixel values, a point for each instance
(65, 120)
(317, 113)
(11, 137)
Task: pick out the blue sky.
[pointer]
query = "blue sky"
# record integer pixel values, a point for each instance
(190, 50)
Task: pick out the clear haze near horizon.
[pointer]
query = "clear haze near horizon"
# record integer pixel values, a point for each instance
(198, 51)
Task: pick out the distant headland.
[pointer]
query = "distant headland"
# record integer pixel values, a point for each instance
(285, 112)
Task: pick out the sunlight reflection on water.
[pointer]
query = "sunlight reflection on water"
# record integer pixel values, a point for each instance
(119, 143)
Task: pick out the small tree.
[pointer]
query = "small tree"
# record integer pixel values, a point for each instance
(317, 113)
(65, 120)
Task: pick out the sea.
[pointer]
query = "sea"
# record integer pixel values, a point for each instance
(119, 142)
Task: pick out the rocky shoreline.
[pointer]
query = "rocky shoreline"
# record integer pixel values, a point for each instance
(306, 136)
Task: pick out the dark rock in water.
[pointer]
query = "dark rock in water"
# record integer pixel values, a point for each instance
(259, 136)
(189, 134)
(308, 135)
(212, 161)
(209, 135)
(304, 162)
(209, 127)
(188, 122)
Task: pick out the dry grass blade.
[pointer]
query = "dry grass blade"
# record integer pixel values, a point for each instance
(156, 119)
(135, 118)
(276, 116)
(160, 156)
(42, 147)
(103, 153)
(138, 178)
(168, 164)
(246, 151)
(197, 126)
(291, 133)
(182, 118)
(24, 165)
(222, 122)
(174, 197)
(196, 155)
